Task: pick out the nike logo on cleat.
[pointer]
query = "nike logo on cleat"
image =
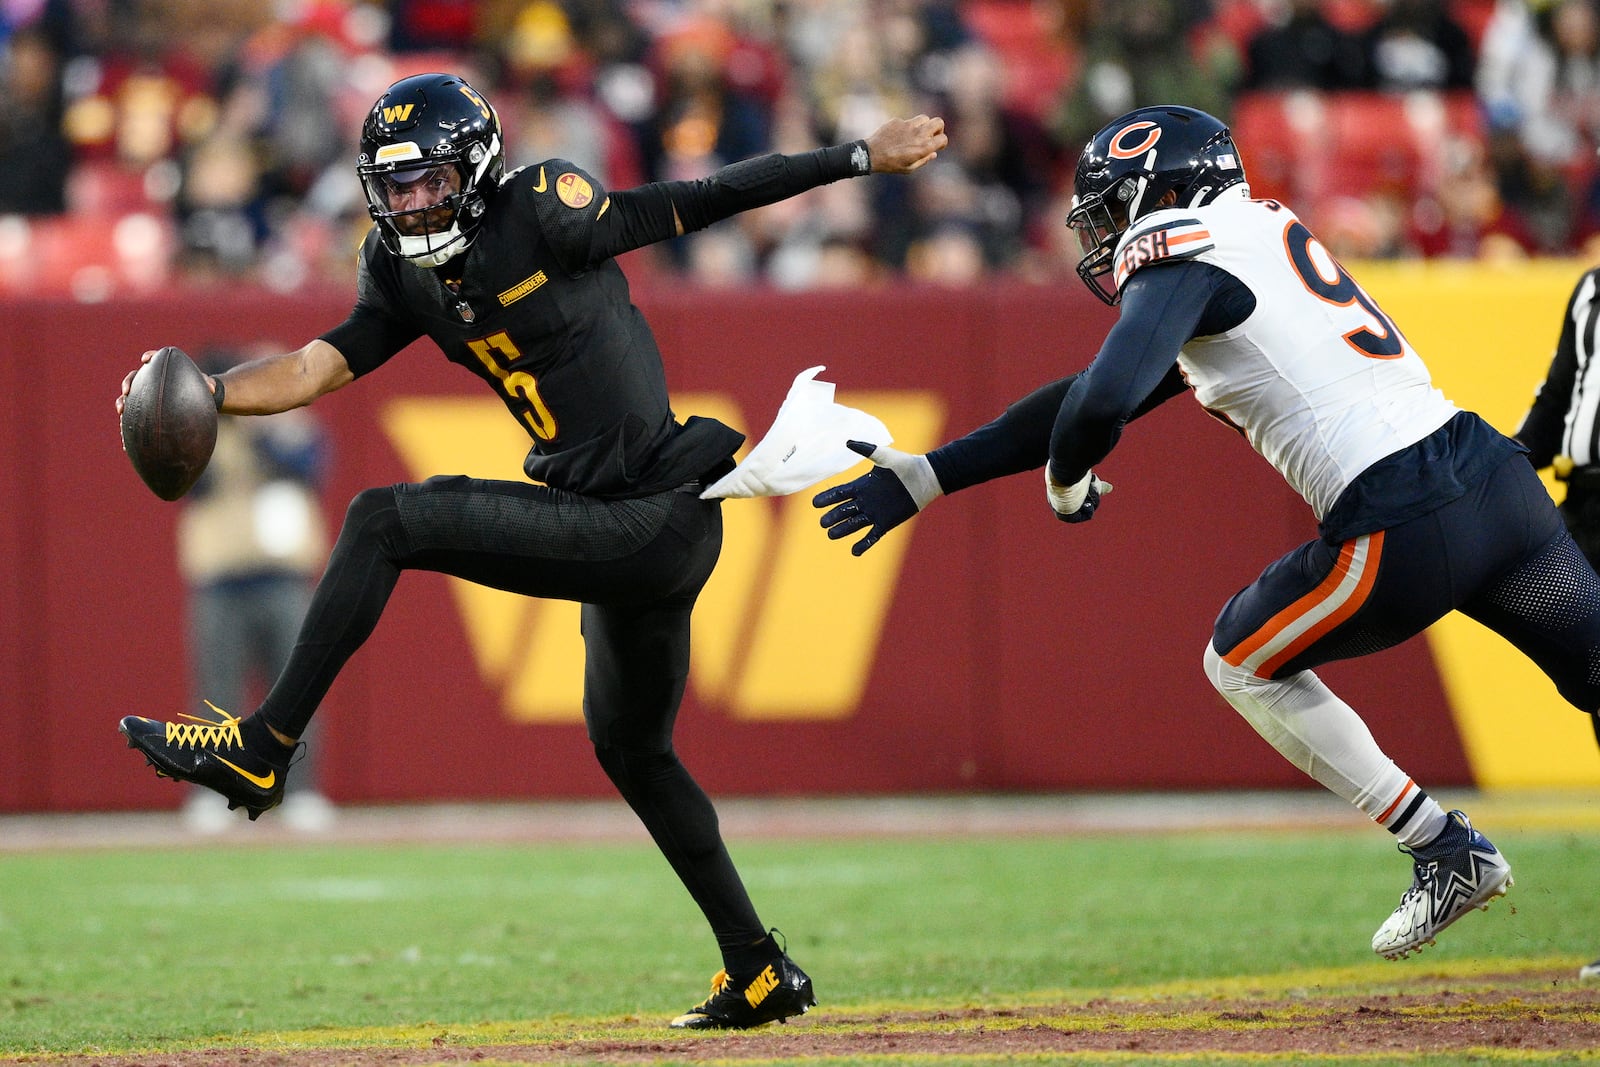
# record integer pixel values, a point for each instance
(260, 781)
(757, 990)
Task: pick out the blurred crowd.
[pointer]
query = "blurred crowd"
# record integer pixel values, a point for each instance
(148, 143)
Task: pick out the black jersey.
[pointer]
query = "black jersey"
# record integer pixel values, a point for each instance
(538, 308)
(1565, 417)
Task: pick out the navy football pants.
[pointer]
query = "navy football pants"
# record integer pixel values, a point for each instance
(1499, 554)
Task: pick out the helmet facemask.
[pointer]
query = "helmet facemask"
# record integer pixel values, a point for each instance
(1099, 219)
(426, 210)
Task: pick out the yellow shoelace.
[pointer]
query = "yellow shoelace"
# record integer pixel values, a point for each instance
(209, 733)
(719, 982)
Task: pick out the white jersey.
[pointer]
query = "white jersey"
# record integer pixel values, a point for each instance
(1318, 378)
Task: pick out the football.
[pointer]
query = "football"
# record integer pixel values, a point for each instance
(169, 423)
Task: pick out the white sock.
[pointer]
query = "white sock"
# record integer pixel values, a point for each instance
(1323, 736)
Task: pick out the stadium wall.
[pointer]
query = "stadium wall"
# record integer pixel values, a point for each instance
(983, 647)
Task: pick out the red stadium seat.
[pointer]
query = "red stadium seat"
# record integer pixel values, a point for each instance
(1307, 147)
(1021, 33)
(87, 256)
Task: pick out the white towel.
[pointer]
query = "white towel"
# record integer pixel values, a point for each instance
(805, 444)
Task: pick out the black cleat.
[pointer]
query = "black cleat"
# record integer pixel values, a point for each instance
(773, 994)
(210, 752)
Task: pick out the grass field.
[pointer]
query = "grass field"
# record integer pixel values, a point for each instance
(581, 951)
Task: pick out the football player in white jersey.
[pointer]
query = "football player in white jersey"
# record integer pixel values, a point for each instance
(1422, 508)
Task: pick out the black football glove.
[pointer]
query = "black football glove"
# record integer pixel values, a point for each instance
(899, 485)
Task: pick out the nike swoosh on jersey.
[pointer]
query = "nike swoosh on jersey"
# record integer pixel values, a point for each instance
(541, 186)
(260, 781)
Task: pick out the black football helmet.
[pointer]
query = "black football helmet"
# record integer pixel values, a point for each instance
(434, 129)
(1129, 167)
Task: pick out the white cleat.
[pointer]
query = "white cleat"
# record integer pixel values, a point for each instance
(1443, 890)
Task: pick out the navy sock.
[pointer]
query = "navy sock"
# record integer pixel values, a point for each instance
(1452, 838)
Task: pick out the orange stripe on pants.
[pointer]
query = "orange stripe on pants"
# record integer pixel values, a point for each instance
(1310, 604)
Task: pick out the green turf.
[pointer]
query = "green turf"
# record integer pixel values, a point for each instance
(138, 949)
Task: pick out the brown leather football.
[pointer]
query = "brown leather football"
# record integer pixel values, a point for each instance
(169, 423)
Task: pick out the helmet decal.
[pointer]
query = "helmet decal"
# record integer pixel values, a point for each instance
(1152, 134)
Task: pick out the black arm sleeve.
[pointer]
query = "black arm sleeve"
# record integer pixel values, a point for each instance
(1162, 308)
(763, 180)
(1544, 425)
(1018, 440)
(370, 335)
(649, 213)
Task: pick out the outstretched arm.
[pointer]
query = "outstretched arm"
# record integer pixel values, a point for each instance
(901, 484)
(270, 384)
(658, 211)
(899, 146)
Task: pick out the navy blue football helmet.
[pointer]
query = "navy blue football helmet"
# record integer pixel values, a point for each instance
(1127, 171)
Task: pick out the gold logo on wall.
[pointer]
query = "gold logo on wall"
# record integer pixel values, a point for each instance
(769, 643)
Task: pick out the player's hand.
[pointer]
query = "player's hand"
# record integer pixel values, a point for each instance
(900, 146)
(1076, 502)
(127, 381)
(899, 485)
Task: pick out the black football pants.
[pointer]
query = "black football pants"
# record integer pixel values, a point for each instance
(636, 566)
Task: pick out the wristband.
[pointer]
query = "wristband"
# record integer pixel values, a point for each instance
(845, 160)
(219, 392)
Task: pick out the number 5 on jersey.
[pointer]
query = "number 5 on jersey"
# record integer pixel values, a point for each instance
(495, 352)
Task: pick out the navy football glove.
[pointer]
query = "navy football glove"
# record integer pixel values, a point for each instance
(896, 488)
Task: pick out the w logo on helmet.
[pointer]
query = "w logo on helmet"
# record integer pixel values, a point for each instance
(1121, 150)
(397, 113)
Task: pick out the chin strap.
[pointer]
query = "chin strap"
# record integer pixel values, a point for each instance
(427, 252)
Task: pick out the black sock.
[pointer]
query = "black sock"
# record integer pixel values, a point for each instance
(258, 738)
(745, 960)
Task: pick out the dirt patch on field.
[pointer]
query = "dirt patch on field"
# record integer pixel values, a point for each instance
(1539, 1013)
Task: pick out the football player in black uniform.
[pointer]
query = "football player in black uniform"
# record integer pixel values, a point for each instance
(1562, 431)
(513, 277)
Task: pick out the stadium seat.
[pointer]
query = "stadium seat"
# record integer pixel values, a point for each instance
(90, 257)
(1036, 61)
(1308, 147)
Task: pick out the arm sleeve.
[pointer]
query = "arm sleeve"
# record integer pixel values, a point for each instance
(763, 180)
(1162, 308)
(1019, 440)
(644, 215)
(371, 334)
(1544, 425)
